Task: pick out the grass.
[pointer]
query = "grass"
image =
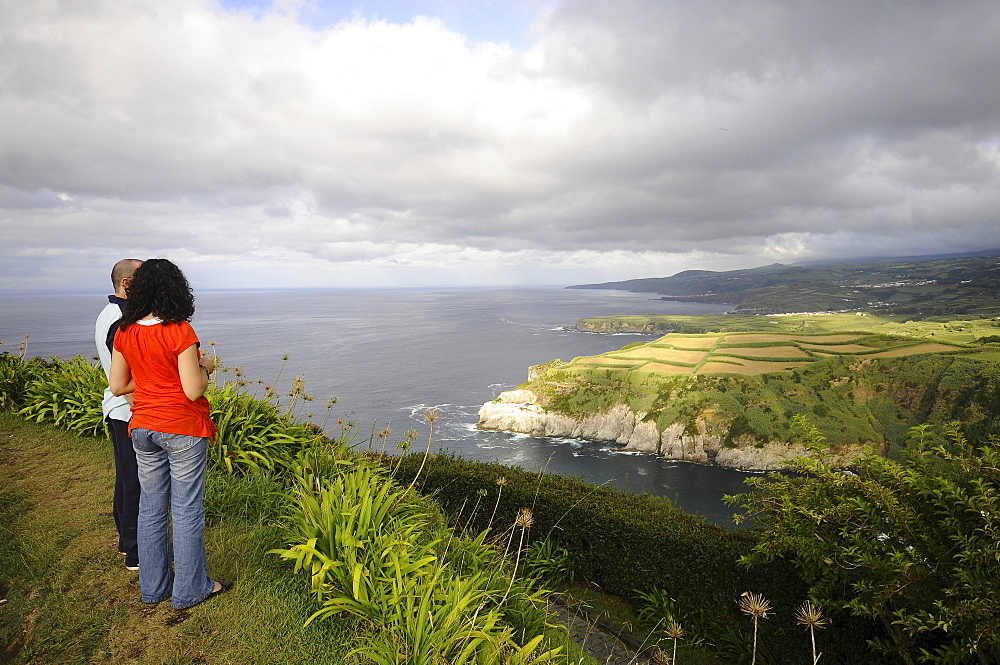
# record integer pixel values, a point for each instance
(68, 598)
(750, 353)
(955, 332)
(65, 596)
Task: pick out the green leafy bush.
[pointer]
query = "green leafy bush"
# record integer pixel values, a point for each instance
(254, 435)
(620, 541)
(629, 545)
(656, 606)
(67, 394)
(372, 551)
(16, 375)
(911, 543)
(550, 562)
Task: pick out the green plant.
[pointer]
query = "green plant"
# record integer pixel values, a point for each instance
(734, 646)
(609, 535)
(910, 543)
(254, 435)
(550, 562)
(372, 552)
(258, 497)
(655, 606)
(68, 394)
(16, 375)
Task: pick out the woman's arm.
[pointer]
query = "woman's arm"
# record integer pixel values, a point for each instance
(120, 378)
(194, 375)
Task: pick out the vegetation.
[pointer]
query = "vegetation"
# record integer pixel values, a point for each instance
(66, 599)
(911, 543)
(430, 559)
(67, 394)
(745, 388)
(918, 288)
(752, 353)
(667, 564)
(380, 560)
(964, 331)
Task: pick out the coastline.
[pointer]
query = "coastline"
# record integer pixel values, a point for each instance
(520, 411)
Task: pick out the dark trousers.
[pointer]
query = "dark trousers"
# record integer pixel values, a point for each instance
(126, 501)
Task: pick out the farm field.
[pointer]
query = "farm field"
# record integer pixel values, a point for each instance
(660, 353)
(689, 342)
(838, 349)
(783, 351)
(754, 353)
(920, 348)
(703, 331)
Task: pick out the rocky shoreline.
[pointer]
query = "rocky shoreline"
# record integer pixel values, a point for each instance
(520, 411)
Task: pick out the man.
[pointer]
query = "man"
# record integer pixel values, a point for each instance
(117, 415)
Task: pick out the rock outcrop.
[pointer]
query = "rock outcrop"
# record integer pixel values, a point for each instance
(520, 411)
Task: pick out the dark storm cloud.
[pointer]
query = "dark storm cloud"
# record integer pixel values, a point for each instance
(630, 138)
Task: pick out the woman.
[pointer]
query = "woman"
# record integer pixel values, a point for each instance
(156, 357)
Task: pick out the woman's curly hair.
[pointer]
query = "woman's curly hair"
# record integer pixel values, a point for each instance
(158, 287)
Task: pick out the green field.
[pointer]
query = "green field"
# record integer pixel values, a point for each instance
(954, 332)
(861, 379)
(756, 353)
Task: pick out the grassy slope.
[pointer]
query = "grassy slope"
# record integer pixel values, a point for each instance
(850, 399)
(956, 332)
(918, 287)
(68, 598)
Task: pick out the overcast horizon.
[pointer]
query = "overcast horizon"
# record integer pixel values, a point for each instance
(320, 144)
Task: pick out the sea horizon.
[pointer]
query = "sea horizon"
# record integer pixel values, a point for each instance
(391, 353)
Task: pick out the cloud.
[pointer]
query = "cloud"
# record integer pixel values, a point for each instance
(628, 136)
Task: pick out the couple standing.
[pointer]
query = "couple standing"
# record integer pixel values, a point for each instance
(160, 427)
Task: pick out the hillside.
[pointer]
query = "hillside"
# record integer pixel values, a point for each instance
(730, 398)
(975, 332)
(936, 287)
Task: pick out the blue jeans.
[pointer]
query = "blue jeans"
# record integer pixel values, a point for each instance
(172, 478)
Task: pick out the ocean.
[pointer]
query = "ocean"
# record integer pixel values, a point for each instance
(388, 355)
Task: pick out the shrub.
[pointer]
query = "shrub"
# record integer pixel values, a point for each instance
(550, 562)
(16, 374)
(629, 545)
(911, 543)
(371, 550)
(620, 541)
(69, 395)
(254, 435)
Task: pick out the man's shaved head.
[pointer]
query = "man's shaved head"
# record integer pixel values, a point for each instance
(123, 269)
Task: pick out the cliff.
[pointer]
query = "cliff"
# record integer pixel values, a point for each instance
(521, 411)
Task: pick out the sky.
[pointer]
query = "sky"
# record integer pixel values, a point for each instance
(313, 143)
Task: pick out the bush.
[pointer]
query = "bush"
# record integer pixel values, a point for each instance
(67, 394)
(620, 541)
(16, 374)
(629, 545)
(909, 542)
(373, 552)
(254, 435)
